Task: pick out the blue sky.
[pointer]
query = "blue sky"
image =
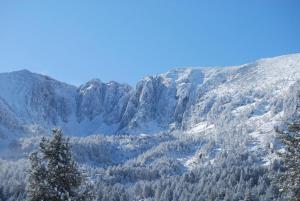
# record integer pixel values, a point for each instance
(75, 41)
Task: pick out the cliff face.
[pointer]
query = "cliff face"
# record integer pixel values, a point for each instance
(179, 99)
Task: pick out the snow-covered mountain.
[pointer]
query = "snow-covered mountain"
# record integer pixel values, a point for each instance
(179, 99)
(197, 121)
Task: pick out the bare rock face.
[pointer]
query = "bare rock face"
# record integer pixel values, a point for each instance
(179, 99)
(107, 100)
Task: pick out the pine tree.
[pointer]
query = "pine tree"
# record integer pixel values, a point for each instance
(1, 195)
(37, 188)
(54, 174)
(289, 180)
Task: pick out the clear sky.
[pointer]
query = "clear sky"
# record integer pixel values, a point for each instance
(75, 41)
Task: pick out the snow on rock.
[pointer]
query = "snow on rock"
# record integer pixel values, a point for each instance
(182, 97)
(165, 126)
(250, 97)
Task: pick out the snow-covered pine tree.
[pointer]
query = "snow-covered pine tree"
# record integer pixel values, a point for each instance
(55, 176)
(38, 186)
(289, 180)
(1, 195)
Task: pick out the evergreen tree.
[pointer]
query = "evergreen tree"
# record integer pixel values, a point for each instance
(289, 180)
(1, 195)
(37, 188)
(54, 174)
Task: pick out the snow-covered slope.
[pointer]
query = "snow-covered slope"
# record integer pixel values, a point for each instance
(178, 99)
(175, 122)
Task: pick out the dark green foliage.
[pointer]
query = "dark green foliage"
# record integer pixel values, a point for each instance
(38, 186)
(54, 175)
(234, 177)
(1, 195)
(289, 181)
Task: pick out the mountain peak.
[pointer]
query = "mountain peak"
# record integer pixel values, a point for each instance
(23, 71)
(19, 72)
(162, 99)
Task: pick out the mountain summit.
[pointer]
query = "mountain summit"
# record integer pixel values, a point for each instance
(179, 99)
(183, 129)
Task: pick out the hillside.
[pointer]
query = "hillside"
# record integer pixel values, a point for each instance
(167, 126)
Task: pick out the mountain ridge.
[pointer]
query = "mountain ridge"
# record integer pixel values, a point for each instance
(184, 129)
(177, 99)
